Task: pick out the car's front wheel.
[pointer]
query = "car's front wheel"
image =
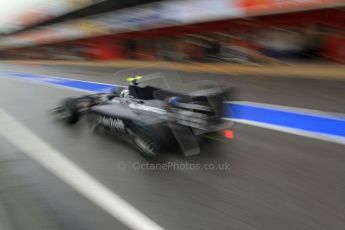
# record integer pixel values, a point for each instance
(67, 112)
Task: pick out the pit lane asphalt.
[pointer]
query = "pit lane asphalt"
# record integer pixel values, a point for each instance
(275, 181)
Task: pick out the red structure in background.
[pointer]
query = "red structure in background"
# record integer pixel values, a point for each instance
(335, 48)
(104, 48)
(111, 47)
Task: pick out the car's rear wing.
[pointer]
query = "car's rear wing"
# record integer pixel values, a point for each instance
(201, 109)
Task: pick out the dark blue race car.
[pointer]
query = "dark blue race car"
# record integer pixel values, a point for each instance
(150, 118)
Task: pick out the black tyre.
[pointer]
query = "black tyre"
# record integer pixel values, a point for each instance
(145, 141)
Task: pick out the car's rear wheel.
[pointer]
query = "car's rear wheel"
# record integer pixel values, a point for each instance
(145, 142)
(146, 147)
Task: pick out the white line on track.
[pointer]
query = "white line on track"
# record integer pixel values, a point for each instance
(73, 175)
(299, 132)
(299, 110)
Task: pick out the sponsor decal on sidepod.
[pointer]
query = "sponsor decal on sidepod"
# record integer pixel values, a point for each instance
(111, 123)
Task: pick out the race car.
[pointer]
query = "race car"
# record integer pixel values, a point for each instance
(150, 118)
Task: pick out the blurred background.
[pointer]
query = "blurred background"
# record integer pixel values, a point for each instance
(240, 31)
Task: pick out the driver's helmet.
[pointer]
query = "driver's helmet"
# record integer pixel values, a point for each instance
(134, 80)
(124, 93)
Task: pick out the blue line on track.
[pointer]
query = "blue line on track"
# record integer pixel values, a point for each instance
(71, 83)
